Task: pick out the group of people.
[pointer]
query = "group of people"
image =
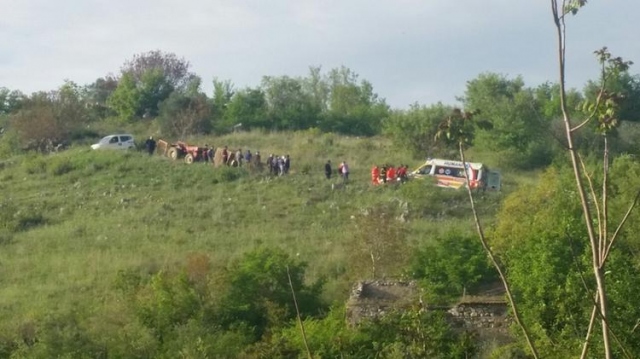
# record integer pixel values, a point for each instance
(278, 165)
(233, 159)
(343, 170)
(388, 174)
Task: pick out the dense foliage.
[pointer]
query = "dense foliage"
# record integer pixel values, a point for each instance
(122, 255)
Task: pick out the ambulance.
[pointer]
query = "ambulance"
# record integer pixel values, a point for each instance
(451, 174)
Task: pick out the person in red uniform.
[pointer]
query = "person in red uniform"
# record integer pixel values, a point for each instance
(391, 174)
(375, 175)
(402, 173)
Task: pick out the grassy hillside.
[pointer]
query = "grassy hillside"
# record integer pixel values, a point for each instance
(72, 221)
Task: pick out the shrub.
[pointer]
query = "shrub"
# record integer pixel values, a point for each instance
(451, 265)
(260, 294)
(60, 166)
(34, 164)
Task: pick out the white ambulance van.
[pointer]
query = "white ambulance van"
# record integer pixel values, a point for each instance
(451, 174)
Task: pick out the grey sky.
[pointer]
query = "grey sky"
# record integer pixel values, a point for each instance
(420, 51)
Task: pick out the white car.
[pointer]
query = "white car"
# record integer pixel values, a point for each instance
(115, 142)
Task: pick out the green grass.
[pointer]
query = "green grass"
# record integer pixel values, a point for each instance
(73, 220)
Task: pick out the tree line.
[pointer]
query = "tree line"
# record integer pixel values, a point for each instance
(158, 87)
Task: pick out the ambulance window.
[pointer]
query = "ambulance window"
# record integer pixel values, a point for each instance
(448, 171)
(425, 170)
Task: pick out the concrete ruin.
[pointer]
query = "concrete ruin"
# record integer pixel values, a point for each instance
(485, 314)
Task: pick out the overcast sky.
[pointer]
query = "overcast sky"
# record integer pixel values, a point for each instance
(411, 51)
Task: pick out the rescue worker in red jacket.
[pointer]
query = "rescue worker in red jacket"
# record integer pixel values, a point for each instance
(375, 175)
(391, 174)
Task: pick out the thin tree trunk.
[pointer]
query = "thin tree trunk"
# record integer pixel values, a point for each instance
(586, 211)
(295, 302)
(585, 347)
(494, 261)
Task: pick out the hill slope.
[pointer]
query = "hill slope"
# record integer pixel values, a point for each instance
(74, 220)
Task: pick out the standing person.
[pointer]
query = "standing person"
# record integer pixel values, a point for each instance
(239, 157)
(327, 169)
(345, 171)
(280, 163)
(247, 156)
(225, 155)
(211, 154)
(271, 163)
(150, 145)
(287, 164)
(375, 175)
(391, 174)
(402, 173)
(205, 153)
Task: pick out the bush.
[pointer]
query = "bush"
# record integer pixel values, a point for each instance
(60, 166)
(34, 164)
(9, 144)
(451, 265)
(260, 294)
(227, 174)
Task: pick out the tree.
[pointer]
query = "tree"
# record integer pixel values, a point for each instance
(519, 132)
(353, 107)
(10, 101)
(451, 265)
(126, 99)
(259, 293)
(184, 114)
(416, 129)
(146, 81)
(627, 86)
(247, 107)
(538, 236)
(459, 130)
(222, 94)
(47, 119)
(96, 95)
(603, 112)
(153, 87)
(173, 69)
(317, 87)
(289, 107)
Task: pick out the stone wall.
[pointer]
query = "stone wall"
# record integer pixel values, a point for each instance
(486, 315)
(371, 299)
(479, 315)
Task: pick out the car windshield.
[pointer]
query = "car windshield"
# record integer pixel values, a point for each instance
(425, 170)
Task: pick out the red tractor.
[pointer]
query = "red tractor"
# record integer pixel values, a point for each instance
(182, 150)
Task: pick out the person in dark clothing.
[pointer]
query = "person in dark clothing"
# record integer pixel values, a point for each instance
(225, 155)
(205, 154)
(271, 162)
(286, 164)
(150, 145)
(211, 153)
(327, 169)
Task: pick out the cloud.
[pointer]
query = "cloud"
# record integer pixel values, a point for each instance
(410, 50)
